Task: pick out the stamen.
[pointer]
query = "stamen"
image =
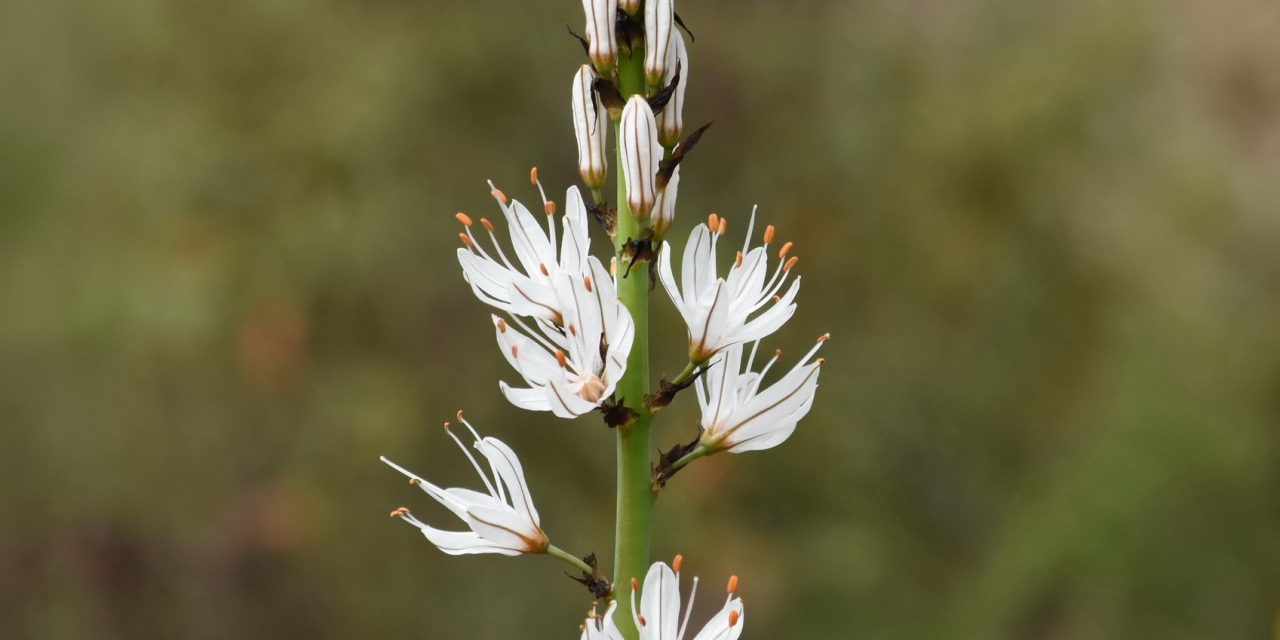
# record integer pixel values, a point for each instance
(400, 512)
(415, 481)
(587, 281)
(549, 207)
(824, 337)
(643, 622)
(688, 609)
(733, 617)
(713, 222)
(733, 584)
(533, 176)
(488, 226)
(561, 358)
(820, 361)
(543, 268)
(515, 351)
(499, 195)
(502, 325)
(573, 330)
(467, 241)
(786, 248)
(791, 262)
(635, 584)
(613, 267)
(463, 218)
(483, 476)
(768, 234)
(724, 224)
(677, 562)
(738, 260)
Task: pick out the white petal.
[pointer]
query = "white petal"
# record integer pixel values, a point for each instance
(718, 628)
(457, 543)
(660, 602)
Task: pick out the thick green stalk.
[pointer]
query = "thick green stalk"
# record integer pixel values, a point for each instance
(635, 499)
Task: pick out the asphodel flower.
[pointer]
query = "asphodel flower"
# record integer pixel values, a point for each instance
(602, 39)
(664, 208)
(658, 616)
(525, 287)
(638, 144)
(658, 24)
(738, 416)
(599, 627)
(743, 306)
(500, 520)
(573, 366)
(590, 124)
(670, 119)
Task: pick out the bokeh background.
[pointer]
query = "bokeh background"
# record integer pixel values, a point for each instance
(1044, 235)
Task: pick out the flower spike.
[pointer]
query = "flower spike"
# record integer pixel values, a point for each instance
(502, 520)
(658, 615)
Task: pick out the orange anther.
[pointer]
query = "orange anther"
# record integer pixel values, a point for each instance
(768, 234)
(414, 481)
(786, 248)
(533, 176)
(549, 207)
(497, 193)
(821, 361)
(399, 511)
(561, 358)
(733, 584)
(543, 268)
(824, 337)
(515, 351)
(586, 280)
(465, 240)
(635, 584)
(488, 226)
(791, 262)
(724, 224)
(677, 562)
(713, 221)
(643, 622)
(777, 353)
(502, 325)
(738, 259)
(463, 218)
(445, 425)
(733, 617)
(573, 329)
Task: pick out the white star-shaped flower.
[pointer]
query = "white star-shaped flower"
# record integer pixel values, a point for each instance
(571, 366)
(501, 520)
(526, 286)
(658, 616)
(738, 416)
(742, 306)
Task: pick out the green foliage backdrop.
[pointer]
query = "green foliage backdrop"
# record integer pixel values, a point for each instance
(1043, 236)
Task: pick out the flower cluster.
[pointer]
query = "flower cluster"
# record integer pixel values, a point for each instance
(569, 323)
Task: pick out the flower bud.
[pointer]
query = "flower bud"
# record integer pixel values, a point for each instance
(658, 22)
(629, 6)
(670, 123)
(641, 154)
(589, 127)
(664, 208)
(601, 36)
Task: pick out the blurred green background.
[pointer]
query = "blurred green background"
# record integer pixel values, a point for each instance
(1045, 237)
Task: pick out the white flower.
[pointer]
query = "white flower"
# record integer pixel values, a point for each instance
(502, 521)
(602, 39)
(573, 366)
(601, 627)
(640, 154)
(590, 122)
(526, 289)
(658, 616)
(737, 416)
(670, 122)
(741, 307)
(658, 25)
(664, 208)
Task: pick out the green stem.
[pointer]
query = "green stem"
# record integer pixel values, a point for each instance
(635, 498)
(569, 558)
(701, 451)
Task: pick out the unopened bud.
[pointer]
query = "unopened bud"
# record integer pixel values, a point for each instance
(640, 154)
(602, 40)
(589, 127)
(658, 22)
(664, 208)
(629, 6)
(670, 122)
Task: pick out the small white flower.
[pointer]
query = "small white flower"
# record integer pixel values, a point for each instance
(526, 289)
(638, 141)
(571, 366)
(590, 123)
(743, 306)
(601, 627)
(658, 25)
(502, 521)
(602, 39)
(658, 616)
(664, 209)
(737, 416)
(670, 119)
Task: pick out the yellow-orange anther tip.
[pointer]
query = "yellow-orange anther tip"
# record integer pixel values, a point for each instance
(502, 325)
(791, 262)
(820, 361)
(459, 414)
(643, 622)
(497, 193)
(724, 224)
(733, 617)
(543, 268)
(446, 425)
(824, 337)
(777, 353)
(677, 562)
(533, 175)
(713, 221)
(561, 358)
(550, 207)
(786, 248)
(635, 584)
(737, 260)
(398, 511)
(768, 234)
(488, 226)
(733, 584)
(414, 481)
(465, 240)
(586, 280)
(463, 218)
